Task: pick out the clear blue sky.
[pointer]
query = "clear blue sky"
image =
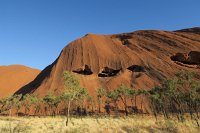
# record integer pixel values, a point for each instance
(33, 32)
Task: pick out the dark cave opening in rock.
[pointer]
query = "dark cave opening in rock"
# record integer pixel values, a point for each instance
(85, 71)
(126, 42)
(136, 68)
(192, 58)
(179, 57)
(108, 72)
(124, 39)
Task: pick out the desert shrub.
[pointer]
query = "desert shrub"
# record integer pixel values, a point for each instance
(52, 101)
(177, 96)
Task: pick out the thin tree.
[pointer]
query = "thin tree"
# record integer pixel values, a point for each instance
(134, 94)
(17, 103)
(36, 101)
(156, 102)
(72, 90)
(91, 102)
(101, 93)
(113, 95)
(26, 103)
(124, 94)
(81, 101)
(142, 93)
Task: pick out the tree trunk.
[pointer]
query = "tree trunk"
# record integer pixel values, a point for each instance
(92, 108)
(132, 101)
(116, 108)
(141, 106)
(126, 111)
(99, 106)
(10, 112)
(125, 105)
(135, 101)
(68, 113)
(25, 111)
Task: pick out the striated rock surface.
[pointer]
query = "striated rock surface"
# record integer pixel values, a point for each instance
(140, 59)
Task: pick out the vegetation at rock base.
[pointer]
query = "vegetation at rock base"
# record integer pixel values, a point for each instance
(174, 98)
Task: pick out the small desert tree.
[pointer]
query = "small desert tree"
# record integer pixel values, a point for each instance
(72, 90)
(124, 94)
(91, 102)
(26, 103)
(156, 102)
(17, 103)
(178, 95)
(101, 93)
(52, 101)
(142, 93)
(1, 104)
(9, 102)
(36, 101)
(189, 94)
(194, 96)
(133, 94)
(81, 100)
(113, 95)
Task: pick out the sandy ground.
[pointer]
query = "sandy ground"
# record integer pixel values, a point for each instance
(133, 124)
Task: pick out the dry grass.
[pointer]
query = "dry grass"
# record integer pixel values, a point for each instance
(132, 124)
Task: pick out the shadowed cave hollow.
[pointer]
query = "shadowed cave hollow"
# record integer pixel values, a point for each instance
(108, 72)
(192, 58)
(124, 39)
(85, 71)
(136, 68)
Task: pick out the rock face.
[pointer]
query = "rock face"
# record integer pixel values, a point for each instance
(194, 57)
(14, 77)
(140, 59)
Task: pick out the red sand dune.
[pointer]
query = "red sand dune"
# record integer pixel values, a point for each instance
(140, 59)
(14, 77)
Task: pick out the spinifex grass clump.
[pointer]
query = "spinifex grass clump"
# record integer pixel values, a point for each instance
(131, 124)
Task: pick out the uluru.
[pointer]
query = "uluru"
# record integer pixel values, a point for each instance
(13, 77)
(100, 66)
(140, 59)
